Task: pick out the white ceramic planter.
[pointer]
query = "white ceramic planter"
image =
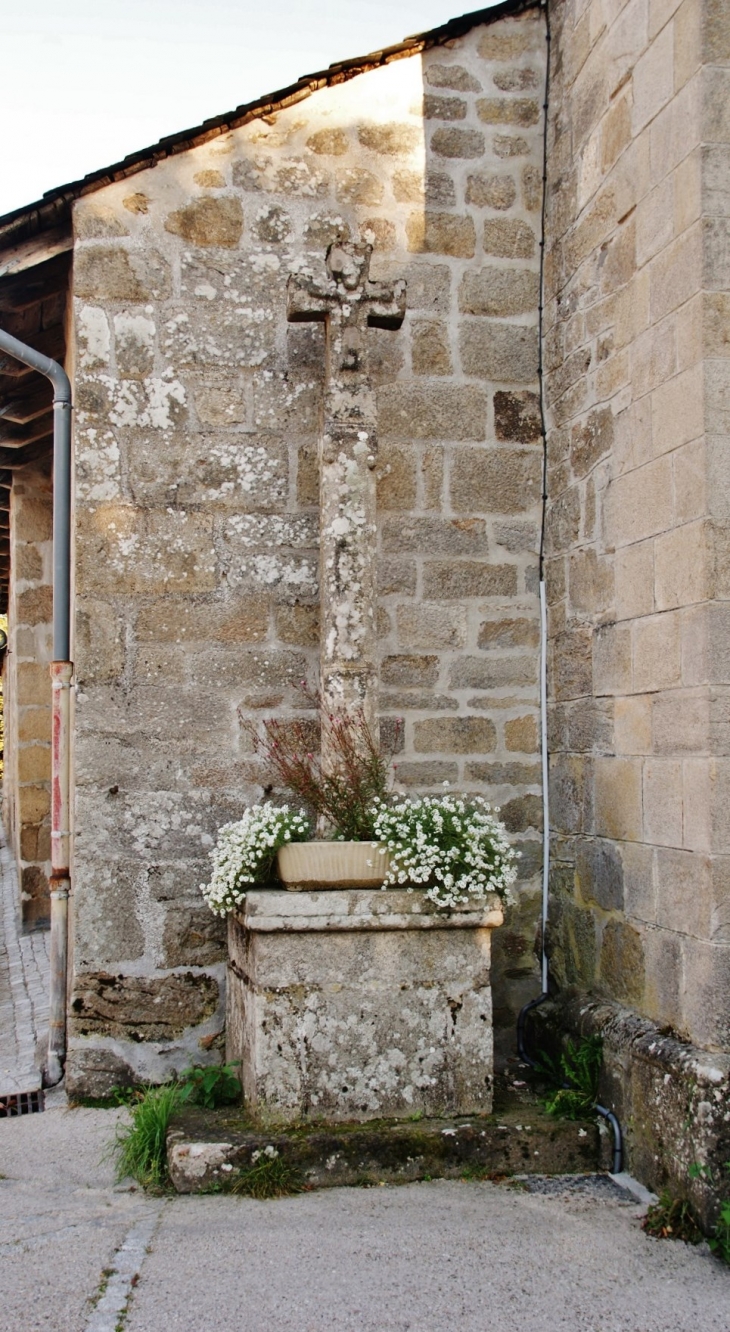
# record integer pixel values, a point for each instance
(331, 865)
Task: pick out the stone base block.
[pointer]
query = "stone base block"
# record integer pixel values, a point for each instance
(357, 1004)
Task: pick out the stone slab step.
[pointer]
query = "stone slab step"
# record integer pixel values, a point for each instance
(207, 1149)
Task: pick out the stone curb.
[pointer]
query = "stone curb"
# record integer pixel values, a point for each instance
(206, 1150)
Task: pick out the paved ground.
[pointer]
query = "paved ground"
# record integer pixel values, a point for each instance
(438, 1257)
(79, 1253)
(24, 971)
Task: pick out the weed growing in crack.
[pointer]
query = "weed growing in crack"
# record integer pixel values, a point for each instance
(106, 1273)
(578, 1071)
(719, 1241)
(212, 1086)
(479, 1173)
(475, 1173)
(268, 1177)
(672, 1218)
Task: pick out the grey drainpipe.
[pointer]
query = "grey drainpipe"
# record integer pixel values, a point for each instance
(61, 678)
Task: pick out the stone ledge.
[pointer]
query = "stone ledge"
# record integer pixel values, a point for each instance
(671, 1098)
(207, 1148)
(269, 909)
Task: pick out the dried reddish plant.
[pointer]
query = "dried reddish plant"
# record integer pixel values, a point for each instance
(342, 797)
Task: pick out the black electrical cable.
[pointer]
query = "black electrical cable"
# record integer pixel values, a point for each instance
(618, 1142)
(521, 1021)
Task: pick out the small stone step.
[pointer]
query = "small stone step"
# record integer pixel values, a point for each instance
(207, 1149)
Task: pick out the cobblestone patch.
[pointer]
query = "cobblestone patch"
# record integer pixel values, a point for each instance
(24, 973)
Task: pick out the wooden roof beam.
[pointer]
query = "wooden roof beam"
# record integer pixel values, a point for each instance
(20, 290)
(27, 254)
(50, 341)
(17, 436)
(30, 453)
(33, 403)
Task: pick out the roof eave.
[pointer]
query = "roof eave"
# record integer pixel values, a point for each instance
(54, 209)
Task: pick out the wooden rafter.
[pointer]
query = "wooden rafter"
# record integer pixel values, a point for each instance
(30, 404)
(34, 279)
(17, 436)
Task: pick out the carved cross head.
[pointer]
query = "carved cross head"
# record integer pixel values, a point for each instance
(347, 300)
(349, 265)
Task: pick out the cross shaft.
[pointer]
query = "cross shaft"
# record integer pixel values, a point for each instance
(346, 300)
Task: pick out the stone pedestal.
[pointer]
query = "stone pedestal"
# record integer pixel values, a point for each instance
(360, 1004)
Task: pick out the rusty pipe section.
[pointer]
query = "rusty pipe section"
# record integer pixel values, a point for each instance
(61, 684)
(61, 679)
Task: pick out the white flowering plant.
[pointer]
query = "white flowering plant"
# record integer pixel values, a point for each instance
(457, 848)
(244, 853)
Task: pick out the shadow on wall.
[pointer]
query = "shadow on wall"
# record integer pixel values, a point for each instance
(483, 136)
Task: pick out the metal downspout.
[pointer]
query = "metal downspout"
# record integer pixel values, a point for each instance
(61, 680)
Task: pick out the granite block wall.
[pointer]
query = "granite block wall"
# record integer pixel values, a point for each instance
(27, 690)
(198, 419)
(637, 372)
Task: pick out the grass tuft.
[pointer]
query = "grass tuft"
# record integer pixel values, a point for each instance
(720, 1242)
(268, 1178)
(140, 1146)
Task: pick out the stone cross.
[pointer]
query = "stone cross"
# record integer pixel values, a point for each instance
(346, 300)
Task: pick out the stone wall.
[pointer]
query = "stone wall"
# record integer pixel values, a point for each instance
(669, 1096)
(27, 681)
(197, 426)
(637, 380)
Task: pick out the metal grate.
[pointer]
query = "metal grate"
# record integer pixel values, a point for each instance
(24, 1103)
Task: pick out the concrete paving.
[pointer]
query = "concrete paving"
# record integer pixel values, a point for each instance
(24, 973)
(60, 1220)
(78, 1254)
